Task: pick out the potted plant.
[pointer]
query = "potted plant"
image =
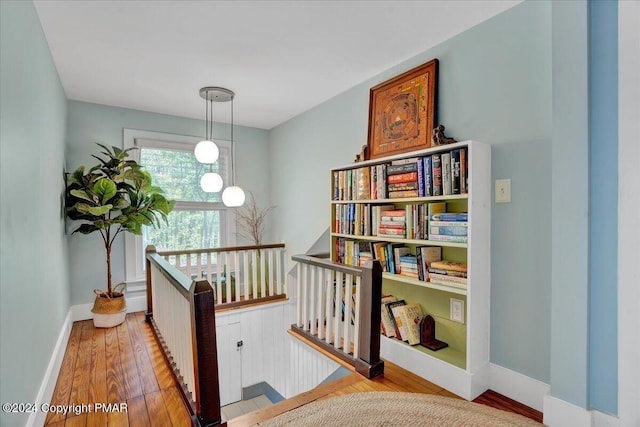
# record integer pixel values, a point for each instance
(112, 197)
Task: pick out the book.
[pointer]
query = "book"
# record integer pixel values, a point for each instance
(404, 168)
(363, 189)
(391, 257)
(445, 238)
(398, 253)
(393, 232)
(388, 329)
(449, 230)
(447, 272)
(421, 177)
(450, 265)
(404, 161)
(445, 279)
(448, 223)
(426, 256)
(385, 225)
(464, 187)
(395, 212)
(403, 194)
(401, 324)
(446, 174)
(376, 214)
(403, 186)
(389, 308)
(428, 177)
(410, 315)
(448, 216)
(436, 167)
(455, 171)
(402, 177)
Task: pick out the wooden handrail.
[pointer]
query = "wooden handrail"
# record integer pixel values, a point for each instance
(326, 263)
(216, 250)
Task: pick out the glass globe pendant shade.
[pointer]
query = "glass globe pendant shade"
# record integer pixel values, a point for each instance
(233, 196)
(211, 182)
(206, 152)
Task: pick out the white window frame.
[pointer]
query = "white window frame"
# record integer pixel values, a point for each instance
(135, 275)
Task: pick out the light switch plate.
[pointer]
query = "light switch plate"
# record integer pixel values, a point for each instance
(456, 310)
(503, 191)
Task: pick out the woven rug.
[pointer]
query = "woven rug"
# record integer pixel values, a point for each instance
(397, 409)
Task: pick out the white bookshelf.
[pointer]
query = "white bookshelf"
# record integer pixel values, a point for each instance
(463, 367)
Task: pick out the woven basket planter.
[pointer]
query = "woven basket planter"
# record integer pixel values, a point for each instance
(109, 311)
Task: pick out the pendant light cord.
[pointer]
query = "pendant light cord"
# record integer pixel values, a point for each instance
(233, 149)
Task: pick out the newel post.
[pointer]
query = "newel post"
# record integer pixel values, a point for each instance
(149, 313)
(205, 354)
(369, 363)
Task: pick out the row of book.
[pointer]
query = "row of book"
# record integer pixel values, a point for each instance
(416, 221)
(425, 265)
(400, 320)
(445, 173)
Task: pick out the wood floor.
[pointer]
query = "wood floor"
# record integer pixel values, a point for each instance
(117, 365)
(124, 365)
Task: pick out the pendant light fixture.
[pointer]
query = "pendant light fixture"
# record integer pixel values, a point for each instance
(207, 152)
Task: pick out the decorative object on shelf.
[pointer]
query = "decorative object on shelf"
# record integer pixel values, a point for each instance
(428, 334)
(207, 151)
(114, 196)
(439, 138)
(363, 154)
(402, 112)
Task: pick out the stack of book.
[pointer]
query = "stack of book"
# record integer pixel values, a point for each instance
(448, 272)
(392, 223)
(449, 227)
(402, 178)
(409, 266)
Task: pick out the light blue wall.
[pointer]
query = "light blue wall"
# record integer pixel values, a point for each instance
(34, 286)
(603, 203)
(90, 123)
(570, 203)
(495, 87)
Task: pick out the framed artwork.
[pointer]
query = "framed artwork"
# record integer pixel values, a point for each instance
(402, 112)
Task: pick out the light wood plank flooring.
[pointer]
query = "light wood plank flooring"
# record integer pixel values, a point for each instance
(117, 365)
(125, 365)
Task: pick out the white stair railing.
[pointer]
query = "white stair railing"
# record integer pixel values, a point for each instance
(338, 308)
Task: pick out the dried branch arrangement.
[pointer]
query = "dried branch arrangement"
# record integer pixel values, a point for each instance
(250, 220)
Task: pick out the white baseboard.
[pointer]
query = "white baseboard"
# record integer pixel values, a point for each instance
(517, 386)
(51, 374)
(559, 413)
(600, 419)
(83, 311)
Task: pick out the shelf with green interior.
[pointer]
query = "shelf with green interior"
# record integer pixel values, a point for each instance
(448, 354)
(405, 200)
(401, 240)
(453, 288)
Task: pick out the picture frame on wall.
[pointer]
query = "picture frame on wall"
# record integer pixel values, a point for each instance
(402, 112)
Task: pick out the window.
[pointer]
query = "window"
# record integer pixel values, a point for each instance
(199, 219)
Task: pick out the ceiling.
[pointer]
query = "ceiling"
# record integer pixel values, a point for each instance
(280, 57)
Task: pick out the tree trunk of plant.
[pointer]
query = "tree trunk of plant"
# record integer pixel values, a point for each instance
(108, 248)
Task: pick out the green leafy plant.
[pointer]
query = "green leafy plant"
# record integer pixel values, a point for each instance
(114, 196)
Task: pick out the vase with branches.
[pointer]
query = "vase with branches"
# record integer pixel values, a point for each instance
(250, 223)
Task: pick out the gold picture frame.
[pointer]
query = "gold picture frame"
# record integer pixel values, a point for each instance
(402, 112)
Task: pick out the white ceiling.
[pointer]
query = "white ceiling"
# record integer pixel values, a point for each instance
(280, 57)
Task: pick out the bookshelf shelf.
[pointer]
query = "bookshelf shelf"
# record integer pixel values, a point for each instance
(404, 200)
(360, 200)
(401, 240)
(448, 354)
(454, 289)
